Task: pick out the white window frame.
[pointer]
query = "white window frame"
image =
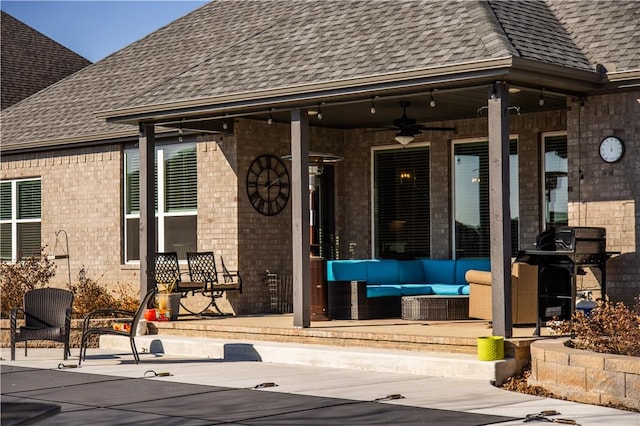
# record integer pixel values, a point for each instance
(372, 182)
(453, 181)
(160, 213)
(543, 165)
(14, 221)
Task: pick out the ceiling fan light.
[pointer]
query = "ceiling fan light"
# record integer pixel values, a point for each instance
(404, 139)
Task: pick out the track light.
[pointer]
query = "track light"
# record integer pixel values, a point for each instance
(373, 105)
(541, 100)
(432, 104)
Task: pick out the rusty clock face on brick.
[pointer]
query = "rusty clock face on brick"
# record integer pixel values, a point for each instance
(268, 184)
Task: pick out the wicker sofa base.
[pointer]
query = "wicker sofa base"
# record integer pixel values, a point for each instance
(348, 300)
(435, 308)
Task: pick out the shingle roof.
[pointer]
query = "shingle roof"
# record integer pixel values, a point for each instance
(31, 61)
(228, 47)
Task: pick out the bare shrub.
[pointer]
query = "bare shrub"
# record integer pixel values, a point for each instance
(90, 295)
(18, 278)
(609, 328)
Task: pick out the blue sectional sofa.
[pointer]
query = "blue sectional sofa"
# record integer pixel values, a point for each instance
(361, 289)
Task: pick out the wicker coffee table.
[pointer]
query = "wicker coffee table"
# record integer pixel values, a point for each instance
(435, 308)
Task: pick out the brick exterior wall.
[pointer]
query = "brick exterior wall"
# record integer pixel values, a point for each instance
(82, 194)
(608, 194)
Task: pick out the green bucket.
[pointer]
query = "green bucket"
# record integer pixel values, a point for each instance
(490, 348)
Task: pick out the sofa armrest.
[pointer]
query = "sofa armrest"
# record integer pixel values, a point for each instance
(478, 277)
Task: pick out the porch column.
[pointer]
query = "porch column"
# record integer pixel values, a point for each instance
(300, 218)
(499, 210)
(146, 145)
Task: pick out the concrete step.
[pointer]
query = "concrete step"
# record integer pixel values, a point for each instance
(436, 364)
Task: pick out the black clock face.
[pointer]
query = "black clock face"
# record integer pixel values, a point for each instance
(268, 185)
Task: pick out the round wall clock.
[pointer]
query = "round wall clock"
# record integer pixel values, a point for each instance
(268, 185)
(611, 149)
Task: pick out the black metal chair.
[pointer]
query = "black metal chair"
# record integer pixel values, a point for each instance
(202, 269)
(120, 316)
(47, 316)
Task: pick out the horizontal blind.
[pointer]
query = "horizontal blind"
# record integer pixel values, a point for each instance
(132, 191)
(6, 241)
(401, 210)
(28, 239)
(29, 199)
(181, 183)
(5, 201)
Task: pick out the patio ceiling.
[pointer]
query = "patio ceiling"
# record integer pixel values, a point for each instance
(450, 105)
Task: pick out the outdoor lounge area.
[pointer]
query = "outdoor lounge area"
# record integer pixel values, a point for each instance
(364, 289)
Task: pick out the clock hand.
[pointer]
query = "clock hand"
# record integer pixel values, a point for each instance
(273, 182)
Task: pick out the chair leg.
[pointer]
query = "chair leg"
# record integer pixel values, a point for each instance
(136, 357)
(66, 350)
(25, 348)
(83, 349)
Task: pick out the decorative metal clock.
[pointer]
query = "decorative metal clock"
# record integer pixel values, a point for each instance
(268, 184)
(611, 149)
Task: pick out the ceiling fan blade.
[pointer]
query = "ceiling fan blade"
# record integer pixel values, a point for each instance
(436, 128)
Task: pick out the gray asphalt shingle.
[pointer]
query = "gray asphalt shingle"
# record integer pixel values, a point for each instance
(228, 47)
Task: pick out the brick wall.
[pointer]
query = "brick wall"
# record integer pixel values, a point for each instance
(81, 194)
(608, 194)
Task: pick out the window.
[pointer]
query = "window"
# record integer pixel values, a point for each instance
(471, 198)
(175, 200)
(20, 218)
(555, 185)
(401, 202)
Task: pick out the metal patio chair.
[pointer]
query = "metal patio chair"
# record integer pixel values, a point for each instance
(202, 269)
(47, 316)
(126, 317)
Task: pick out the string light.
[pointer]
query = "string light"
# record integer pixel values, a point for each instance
(433, 101)
(225, 126)
(373, 105)
(319, 112)
(270, 120)
(541, 100)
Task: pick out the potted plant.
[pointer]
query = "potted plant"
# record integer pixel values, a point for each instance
(168, 302)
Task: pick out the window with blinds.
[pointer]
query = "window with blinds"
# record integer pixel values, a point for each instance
(401, 203)
(556, 181)
(175, 200)
(471, 199)
(20, 219)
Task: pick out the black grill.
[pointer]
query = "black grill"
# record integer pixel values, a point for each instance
(560, 254)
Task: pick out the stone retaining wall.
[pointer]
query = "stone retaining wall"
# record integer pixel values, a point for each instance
(585, 376)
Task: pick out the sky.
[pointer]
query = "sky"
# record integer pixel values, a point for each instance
(95, 29)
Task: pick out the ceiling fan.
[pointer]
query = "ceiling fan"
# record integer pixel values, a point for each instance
(409, 128)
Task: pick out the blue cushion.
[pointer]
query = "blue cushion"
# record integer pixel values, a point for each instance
(383, 290)
(346, 270)
(382, 271)
(463, 265)
(410, 271)
(416, 289)
(439, 270)
(449, 289)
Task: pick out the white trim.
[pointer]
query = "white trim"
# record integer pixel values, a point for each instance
(463, 141)
(14, 221)
(542, 171)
